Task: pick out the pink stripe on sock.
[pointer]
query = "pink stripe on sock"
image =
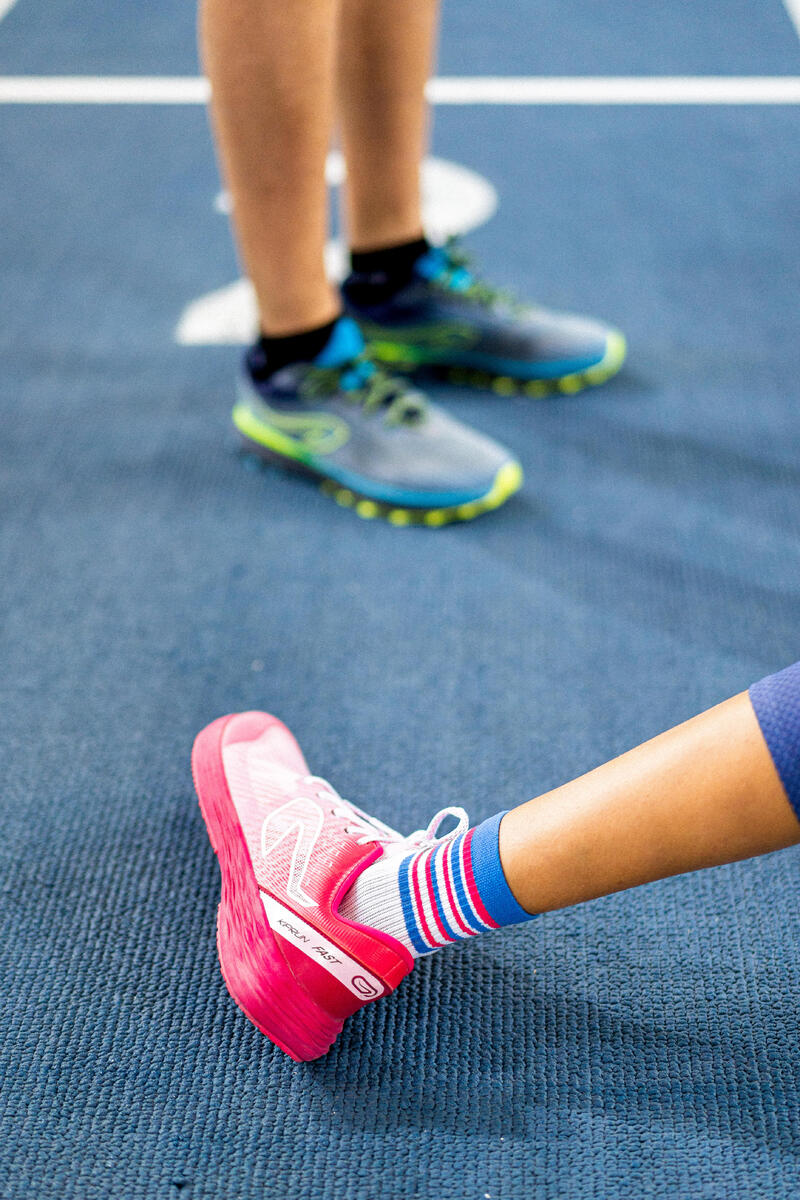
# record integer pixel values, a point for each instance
(472, 887)
(434, 906)
(426, 933)
(469, 914)
(447, 871)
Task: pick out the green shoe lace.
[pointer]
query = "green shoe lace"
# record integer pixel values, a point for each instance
(364, 383)
(458, 275)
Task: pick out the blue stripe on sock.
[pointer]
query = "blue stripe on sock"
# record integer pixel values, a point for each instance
(776, 701)
(412, 929)
(443, 849)
(470, 916)
(499, 900)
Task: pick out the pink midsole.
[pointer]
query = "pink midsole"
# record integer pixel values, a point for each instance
(254, 970)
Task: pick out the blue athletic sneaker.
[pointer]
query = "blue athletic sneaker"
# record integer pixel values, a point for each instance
(378, 446)
(446, 319)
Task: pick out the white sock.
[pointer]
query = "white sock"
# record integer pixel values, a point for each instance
(443, 892)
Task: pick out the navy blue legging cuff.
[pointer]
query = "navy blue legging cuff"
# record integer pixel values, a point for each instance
(776, 701)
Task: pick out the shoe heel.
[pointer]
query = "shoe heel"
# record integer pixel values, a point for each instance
(254, 970)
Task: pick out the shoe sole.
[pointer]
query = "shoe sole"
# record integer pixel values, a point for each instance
(254, 970)
(272, 446)
(394, 355)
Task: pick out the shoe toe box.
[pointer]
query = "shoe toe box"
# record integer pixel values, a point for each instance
(438, 462)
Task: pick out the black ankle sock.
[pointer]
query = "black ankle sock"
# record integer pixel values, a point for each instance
(378, 274)
(390, 260)
(269, 354)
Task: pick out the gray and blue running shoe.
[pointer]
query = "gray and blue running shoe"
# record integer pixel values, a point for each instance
(378, 446)
(446, 319)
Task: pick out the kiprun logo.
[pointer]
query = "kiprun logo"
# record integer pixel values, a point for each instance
(454, 201)
(301, 820)
(319, 433)
(363, 986)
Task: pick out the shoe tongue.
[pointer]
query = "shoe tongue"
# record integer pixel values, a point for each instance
(344, 344)
(436, 263)
(432, 264)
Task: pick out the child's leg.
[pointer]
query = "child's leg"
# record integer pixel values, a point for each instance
(326, 908)
(709, 791)
(704, 793)
(271, 67)
(385, 56)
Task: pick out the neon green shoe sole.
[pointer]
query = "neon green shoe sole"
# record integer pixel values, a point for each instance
(400, 358)
(508, 480)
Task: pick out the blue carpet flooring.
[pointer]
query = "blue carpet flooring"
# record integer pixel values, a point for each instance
(643, 1045)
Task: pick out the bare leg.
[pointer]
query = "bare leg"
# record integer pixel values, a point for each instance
(385, 57)
(704, 793)
(271, 64)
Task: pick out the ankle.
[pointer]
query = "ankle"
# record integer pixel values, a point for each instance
(378, 274)
(271, 353)
(444, 892)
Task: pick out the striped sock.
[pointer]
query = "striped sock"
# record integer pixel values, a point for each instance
(452, 890)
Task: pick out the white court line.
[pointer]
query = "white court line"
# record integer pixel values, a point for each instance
(541, 90)
(6, 7)
(793, 9)
(603, 89)
(103, 89)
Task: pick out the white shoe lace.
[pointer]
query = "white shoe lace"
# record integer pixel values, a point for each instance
(365, 828)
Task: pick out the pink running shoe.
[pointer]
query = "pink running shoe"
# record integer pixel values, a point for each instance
(289, 848)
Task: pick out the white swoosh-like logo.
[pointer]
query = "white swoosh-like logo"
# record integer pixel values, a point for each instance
(301, 819)
(321, 433)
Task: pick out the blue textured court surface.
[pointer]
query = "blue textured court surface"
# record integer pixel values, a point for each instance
(644, 1045)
